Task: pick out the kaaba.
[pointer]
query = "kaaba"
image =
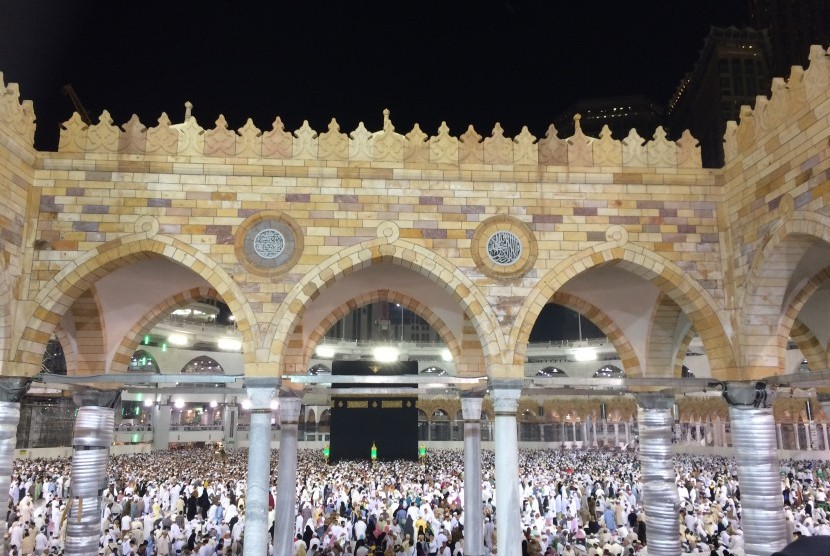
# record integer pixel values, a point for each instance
(388, 422)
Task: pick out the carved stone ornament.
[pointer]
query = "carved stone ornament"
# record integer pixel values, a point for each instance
(268, 243)
(503, 247)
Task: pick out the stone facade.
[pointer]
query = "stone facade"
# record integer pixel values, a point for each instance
(126, 221)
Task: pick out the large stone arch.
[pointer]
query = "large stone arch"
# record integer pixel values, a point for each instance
(90, 334)
(58, 295)
(810, 346)
(682, 348)
(389, 296)
(625, 351)
(392, 250)
(774, 295)
(130, 342)
(669, 278)
(68, 348)
(667, 335)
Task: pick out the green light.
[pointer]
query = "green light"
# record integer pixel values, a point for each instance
(146, 340)
(164, 347)
(422, 450)
(374, 452)
(137, 410)
(136, 438)
(326, 452)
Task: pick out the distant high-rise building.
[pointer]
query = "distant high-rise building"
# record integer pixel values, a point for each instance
(732, 70)
(620, 113)
(792, 26)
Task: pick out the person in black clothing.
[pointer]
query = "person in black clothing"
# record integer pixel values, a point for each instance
(204, 503)
(308, 534)
(192, 505)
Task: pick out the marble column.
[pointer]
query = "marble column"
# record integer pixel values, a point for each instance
(660, 497)
(753, 436)
(260, 393)
(795, 435)
(780, 436)
(824, 435)
(286, 509)
(505, 395)
(161, 426)
(473, 523)
(91, 441)
(12, 389)
(230, 418)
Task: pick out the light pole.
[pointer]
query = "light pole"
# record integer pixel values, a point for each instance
(399, 305)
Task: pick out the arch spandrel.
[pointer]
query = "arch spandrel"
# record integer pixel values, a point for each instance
(57, 295)
(669, 278)
(400, 252)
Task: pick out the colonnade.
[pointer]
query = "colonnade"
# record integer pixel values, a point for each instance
(753, 435)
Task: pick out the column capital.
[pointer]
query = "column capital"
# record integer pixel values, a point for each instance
(261, 393)
(92, 397)
(290, 404)
(654, 400)
(505, 395)
(13, 388)
(748, 395)
(471, 403)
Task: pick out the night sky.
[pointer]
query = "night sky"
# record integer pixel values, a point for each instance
(516, 62)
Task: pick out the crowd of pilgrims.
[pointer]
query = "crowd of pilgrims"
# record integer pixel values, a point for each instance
(576, 502)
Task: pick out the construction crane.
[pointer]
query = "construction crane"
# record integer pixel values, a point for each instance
(79, 107)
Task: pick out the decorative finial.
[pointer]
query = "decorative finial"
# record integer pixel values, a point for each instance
(387, 123)
(188, 108)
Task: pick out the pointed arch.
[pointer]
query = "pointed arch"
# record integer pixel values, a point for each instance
(809, 345)
(388, 296)
(668, 331)
(682, 348)
(58, 295)
(669, 278)
(771, 298)
(625, 351)
(130, 342)
(90, 331)
(399, 252)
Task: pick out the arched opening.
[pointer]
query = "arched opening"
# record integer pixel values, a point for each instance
(54, 361)
(143, 362)
(609, 371)
(529, 430)
(324, 427)
(423, 426)
(202, 365)
(439, 426)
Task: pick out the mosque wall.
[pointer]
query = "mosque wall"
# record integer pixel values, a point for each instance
(17, 160)
(114, 195)
(338, 189)
(776, 186)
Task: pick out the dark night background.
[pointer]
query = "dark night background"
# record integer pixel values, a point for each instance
(516, 62)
